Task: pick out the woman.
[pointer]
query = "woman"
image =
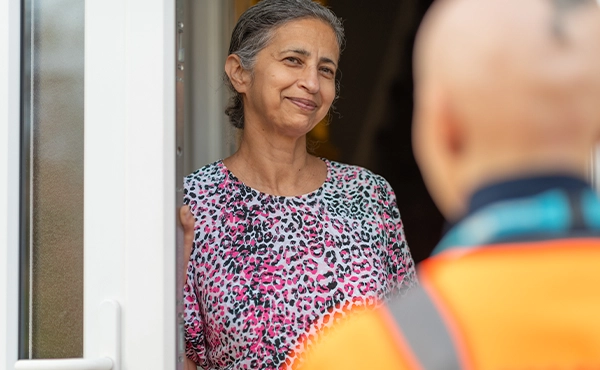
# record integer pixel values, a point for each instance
(285, 242)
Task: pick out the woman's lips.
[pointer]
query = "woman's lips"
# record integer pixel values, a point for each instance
(304, 104)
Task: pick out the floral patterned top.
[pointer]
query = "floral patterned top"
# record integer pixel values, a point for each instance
(267, 272)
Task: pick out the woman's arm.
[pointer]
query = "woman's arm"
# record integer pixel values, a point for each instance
(187, 221)
(189, 364)
(192, 318)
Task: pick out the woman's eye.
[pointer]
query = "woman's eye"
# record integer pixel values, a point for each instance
(328, 71)
(293, 60)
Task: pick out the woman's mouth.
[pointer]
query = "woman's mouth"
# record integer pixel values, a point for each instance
(304, 104)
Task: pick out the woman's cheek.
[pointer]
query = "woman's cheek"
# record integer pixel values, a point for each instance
(329, 93)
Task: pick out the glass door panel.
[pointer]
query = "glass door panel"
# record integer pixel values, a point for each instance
(51, 318)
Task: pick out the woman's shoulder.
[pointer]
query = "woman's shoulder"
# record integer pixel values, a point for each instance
(353, 174)
(210, 174)
(352, 179)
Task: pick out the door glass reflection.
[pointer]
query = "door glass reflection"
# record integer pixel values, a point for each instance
(51, 319)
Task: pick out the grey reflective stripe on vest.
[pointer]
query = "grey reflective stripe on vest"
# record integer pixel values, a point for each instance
(424, 330)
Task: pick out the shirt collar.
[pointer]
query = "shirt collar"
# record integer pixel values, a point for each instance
(521, 188)
(505, 209)
(518, 188)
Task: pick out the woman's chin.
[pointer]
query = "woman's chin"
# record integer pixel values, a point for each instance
(296, 132)
(295, 129)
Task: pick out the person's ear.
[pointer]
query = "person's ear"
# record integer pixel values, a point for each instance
(239, 77)
(438, 147)
(450, 128)
(437, 125)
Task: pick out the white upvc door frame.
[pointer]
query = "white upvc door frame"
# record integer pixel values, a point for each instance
(10, 67)
(129, 177)
(129, 180)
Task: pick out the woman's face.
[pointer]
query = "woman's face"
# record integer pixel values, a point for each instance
(293, 82)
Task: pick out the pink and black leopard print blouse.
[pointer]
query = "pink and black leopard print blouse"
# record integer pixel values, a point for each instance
(267, 272)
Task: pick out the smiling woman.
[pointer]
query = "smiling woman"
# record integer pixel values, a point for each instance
(292, 85)
(284, 243)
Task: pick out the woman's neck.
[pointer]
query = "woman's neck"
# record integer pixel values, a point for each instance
(276, 165)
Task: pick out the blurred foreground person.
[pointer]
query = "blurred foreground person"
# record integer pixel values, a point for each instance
(507, 113)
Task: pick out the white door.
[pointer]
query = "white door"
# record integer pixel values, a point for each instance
(130, 161)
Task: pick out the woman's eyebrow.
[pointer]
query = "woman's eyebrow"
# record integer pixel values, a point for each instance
(327, 60)
(307, 54)
(303, 52)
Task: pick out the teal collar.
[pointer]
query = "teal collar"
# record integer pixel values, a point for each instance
(550, 214)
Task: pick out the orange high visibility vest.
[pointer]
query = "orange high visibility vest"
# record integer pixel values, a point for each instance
(515, 306)
(506, 305)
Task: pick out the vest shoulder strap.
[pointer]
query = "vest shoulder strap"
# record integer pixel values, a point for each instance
(424, 330)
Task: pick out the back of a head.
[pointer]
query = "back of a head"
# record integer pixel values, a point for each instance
(504, 88)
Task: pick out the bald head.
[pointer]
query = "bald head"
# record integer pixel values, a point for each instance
(504, 88)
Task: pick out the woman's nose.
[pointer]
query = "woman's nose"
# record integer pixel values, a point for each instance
(309, 80)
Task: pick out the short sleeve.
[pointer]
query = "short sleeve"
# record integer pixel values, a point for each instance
(399, 262)
(189, 195)
(193, 322)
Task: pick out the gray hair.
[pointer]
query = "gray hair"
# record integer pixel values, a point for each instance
(255, 29)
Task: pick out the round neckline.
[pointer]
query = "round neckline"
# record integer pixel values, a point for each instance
(305, 195)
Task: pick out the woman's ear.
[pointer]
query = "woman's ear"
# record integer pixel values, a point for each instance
(238, 76)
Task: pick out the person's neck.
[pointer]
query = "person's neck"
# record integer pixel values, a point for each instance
(276, 165)
(492, 169)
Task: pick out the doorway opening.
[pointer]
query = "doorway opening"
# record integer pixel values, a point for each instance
(372, 126)
(375, 107)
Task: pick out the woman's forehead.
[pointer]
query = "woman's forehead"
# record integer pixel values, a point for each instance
(308, 35)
